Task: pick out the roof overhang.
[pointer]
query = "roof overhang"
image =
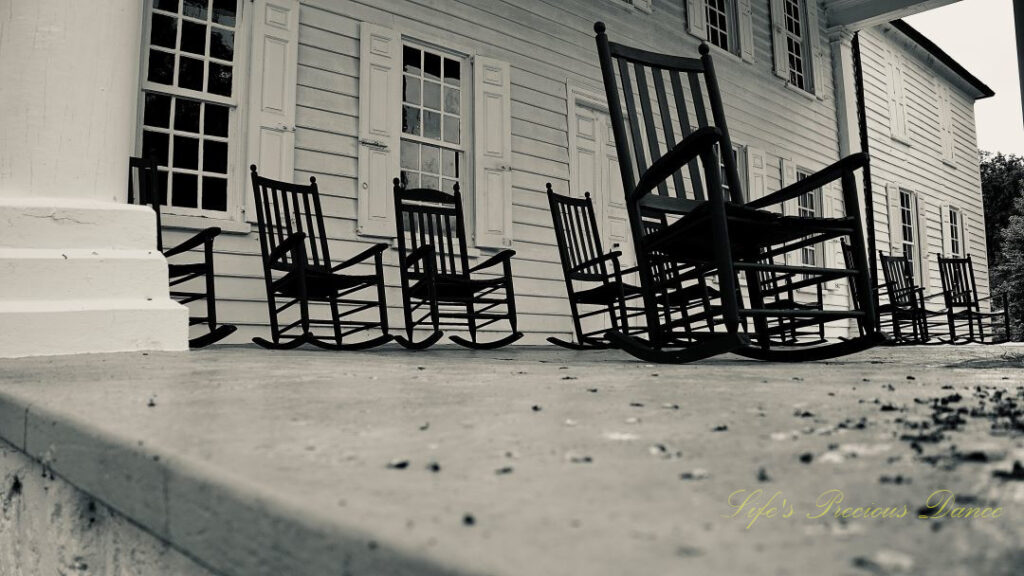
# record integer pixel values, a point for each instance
(983, 91)
(858, 14)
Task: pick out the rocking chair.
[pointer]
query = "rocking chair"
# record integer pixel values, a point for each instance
(298, 271)
(703, 233)
(907, 301)
(585, 262)
(438, 285)
(963, 307)
(142, 189)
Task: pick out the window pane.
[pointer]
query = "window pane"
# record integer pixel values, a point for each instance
(183, 190)
(196, 8)
(410, 156)
(215, 157)
(451, 129)
(155, 146)
(220, 79)
(449, 164)
(216, 122)
(431, 95)
(222, 44)
(452, 100)
(215, 194)
(186, 115)
(431, 124)
(431, 160)
(157, 111)
(410, 179)
(190, 73)
(224, 12)
(186, 152)
(431, 66)
(430, 182)
(452, 71)
(193, 37)
(164, 31)
(161, 185)
(168, 5)
(448, 185)
(411, 60)
(410, 120)
(161, 67)
(411, 89)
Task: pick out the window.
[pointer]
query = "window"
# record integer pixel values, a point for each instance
(956, 233)
(721, 16)
(189, 101)
(795, 46)
(433, 118)
(908, 229)
(809, 206)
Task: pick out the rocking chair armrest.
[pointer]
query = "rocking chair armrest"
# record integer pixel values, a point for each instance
(424, 253)
(697, 142)
(503, 256)
(292, 243)
(613, 256)
(813, 182)
(202, 237)
(371, 251)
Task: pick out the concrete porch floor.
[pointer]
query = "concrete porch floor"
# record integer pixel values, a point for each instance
(538, 460)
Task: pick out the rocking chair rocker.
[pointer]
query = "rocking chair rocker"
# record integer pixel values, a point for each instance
(298, 270)
(700, 232)
(963, 307)
(142, 189)
(437, 281)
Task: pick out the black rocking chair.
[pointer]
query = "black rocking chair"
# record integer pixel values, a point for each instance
(142, 189)
(299, 273)
(907, 302)
(438, 285)
(703, 233)
(963, 307)
(585, 262)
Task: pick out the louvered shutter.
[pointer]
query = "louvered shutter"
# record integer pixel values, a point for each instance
(272, 86)
(493, 153)
(781, 55)
(818, 58)
(744, 17)
(697, 18)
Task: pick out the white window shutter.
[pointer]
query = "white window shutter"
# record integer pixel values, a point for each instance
(744, 17)
(779, 50)
(380, 110)
(965, 233)
(787, 174)
(492, 153)
(272, 86)
(697, 18)
(947, 241)
(757, 185)
(818, 59)
(900, 98)
(833, 248)
(923, 246)
(892, 194)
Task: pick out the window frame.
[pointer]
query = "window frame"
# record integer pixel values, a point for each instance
(818, 197)
(184, 217)
(467, 136)
(806, 57)
(731, 16)
(911, 223)
(956, 232)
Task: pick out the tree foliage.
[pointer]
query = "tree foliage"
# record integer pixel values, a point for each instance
(1002, 183)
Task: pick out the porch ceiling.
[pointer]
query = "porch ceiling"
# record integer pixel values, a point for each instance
(859, 14)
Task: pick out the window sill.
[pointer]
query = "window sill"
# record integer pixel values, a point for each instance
(471, 251)
(719, 51)
(903, 140)
(179, 221)
(794, 88)
(949, 162)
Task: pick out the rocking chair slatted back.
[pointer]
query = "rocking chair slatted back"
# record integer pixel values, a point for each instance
(142, 178)
(647, 126)
(433, 218)
(958, 287)
(579, 241)
(284, 210)
(899, 280)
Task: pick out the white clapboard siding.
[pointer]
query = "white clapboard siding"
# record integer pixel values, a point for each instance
(545, 44)
(272, 91)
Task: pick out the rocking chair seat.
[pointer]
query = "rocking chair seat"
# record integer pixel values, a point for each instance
(320, 284)
(451, 288)
(750, 228)
(606, 293)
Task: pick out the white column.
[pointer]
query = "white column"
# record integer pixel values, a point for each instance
(79, 267)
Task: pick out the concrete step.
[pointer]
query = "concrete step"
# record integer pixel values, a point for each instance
(44, 327)
(59, 223)
(77, 274)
